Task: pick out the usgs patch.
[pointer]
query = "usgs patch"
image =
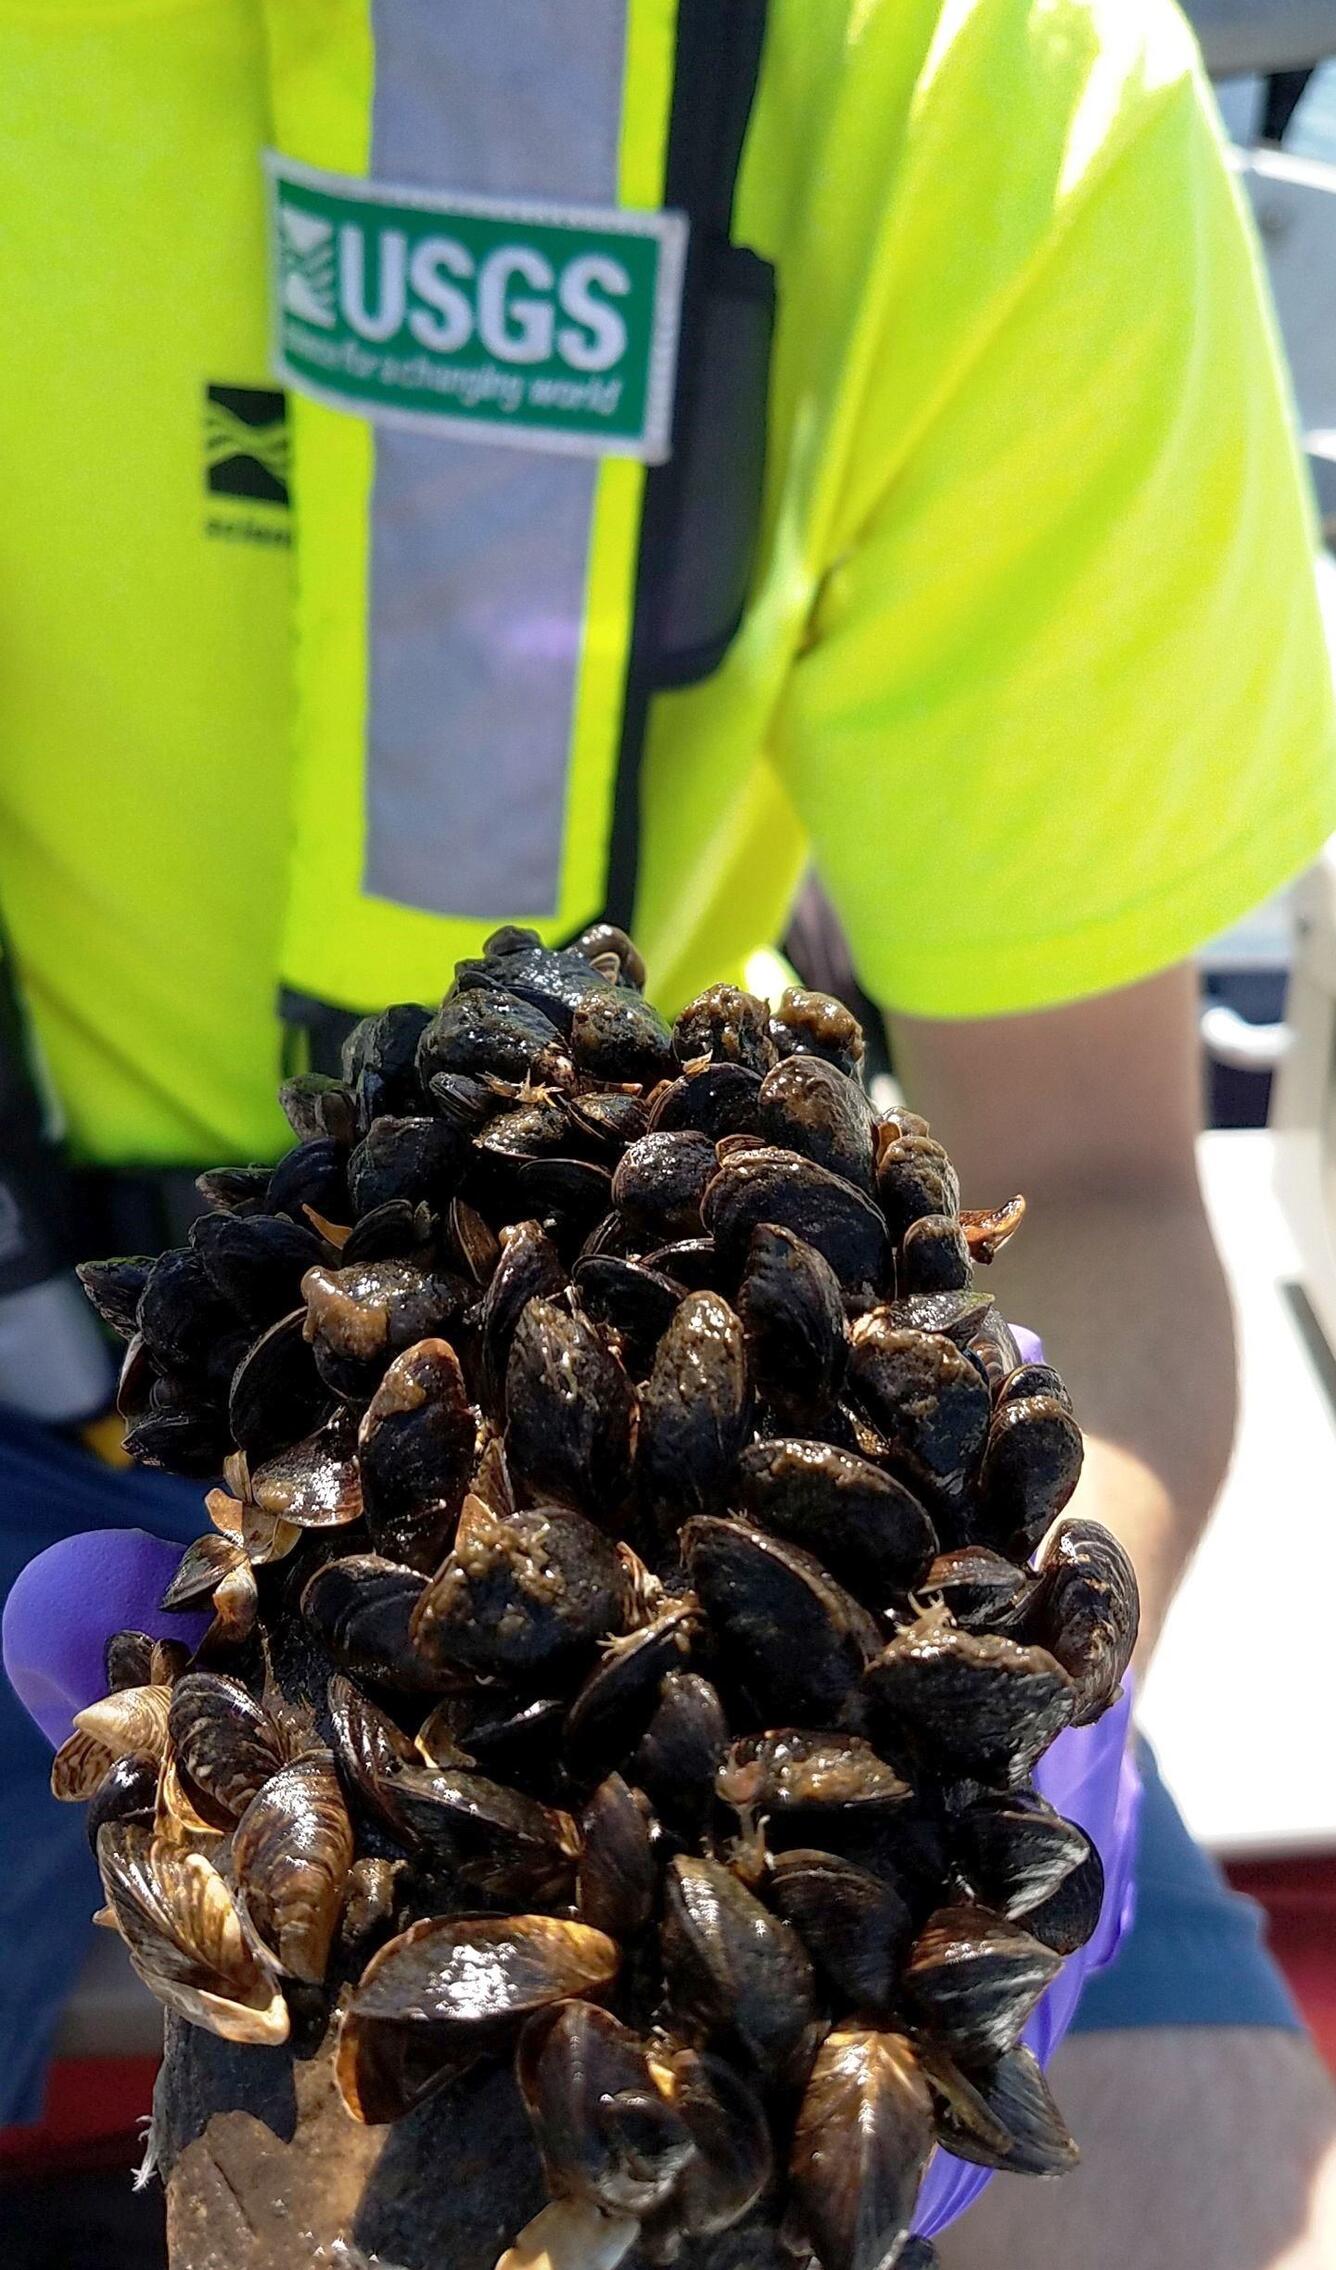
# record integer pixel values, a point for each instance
(550, 326)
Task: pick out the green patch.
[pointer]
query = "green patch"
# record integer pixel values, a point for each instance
(551, 326)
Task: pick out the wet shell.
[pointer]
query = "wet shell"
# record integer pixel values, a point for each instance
(255, 1261)
(492, 1032)
(816, 1024)
(530, 1268)
(291, 1854)
(614, 1705)
(417, 1159)
(792, 1310)
(134, 1719)
(415, 1450)
(855, 1926)
(518, 1596)
(570, 1411)
(968, 1704)
(973, 1978)
(660, 1182)
(1030, 1469)
(1087, 1612)
(716, 1100)
(806, 1105)
(934, 1257)
(1016, 1852)
(363, 1608)
(618, 1036)
(793, 1193)
(605, 2127)
(862, 2139)
(694, 1408)
(737, 1975)
(618, 1874)
(1069, 1916)
(682, 1747)
(461, 1987)
(1002, 2116)
(865, 1525)
(127, 1791)
(114, 1288)
(929, 1404)
(797, 1639)
(185, 1937)
(225, 1740)
(315, 1483)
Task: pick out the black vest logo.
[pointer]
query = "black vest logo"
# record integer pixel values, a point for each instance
(246, 443)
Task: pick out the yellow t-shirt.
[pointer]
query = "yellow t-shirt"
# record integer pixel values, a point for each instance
(1032, 664)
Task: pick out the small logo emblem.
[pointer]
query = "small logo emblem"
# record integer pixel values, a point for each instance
(504, 320)
(306, 252)
(246, 443)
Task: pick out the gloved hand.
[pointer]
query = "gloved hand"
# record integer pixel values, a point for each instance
(72, 1596)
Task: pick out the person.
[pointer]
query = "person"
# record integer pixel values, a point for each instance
(1010, 629)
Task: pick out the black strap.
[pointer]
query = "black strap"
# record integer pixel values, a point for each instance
(719, 44)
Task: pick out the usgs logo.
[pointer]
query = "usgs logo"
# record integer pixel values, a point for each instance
(514, 302)
(553, 325)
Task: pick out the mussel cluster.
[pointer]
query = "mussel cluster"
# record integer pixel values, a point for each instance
(638, 1607)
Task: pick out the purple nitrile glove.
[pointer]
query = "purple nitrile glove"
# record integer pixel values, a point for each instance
(1090, 1776)
(64, 1607)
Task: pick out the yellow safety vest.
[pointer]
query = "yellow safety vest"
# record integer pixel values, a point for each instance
(1008, 665)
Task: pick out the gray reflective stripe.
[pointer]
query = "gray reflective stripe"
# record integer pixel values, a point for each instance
(478, 555)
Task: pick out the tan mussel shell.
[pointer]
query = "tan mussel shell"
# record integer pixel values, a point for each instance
(132, 1718)
(291, 1856)
(186, 1939)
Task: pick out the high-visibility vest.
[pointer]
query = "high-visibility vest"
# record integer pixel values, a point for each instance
(1003, 645)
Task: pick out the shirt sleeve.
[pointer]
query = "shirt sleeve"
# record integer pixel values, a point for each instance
(1066, 708)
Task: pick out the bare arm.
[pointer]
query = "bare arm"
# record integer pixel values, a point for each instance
(1092, 1110)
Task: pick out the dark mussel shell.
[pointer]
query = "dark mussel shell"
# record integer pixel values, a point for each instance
(617, 1035)
(694, 1408)
(180, 1314)
(794, 1637)
(915, 1178)
(605, 2128)
(695, 1263)
(456, 1988)
(570, 1411)
(358, 1317)
(1016, 1851)
(554, 979)
(530, 1268)
(867, 1527)
(792, 1309)
(614, 1706)
(716, 1100)
(114, 1288)
(417, 1159)
(984, 1591)
(973, 1978)
(928, 1403)
(606, 1120)
(617, 1876)
(396, 1231)
(277, 1393)
(493, 1843)
(314, 1483)
(604, 939)
(1024, 1380)
(362, 1608)
(660, 1182)
(1001, 2115)
(224, 1739)
(496, 1729)
(854, 1925)
(791, 1771)
(520, 1595)
(1087, 1611)
(635, 1302)
(189, 1440)
(816, 1024)
(311, 1176)
(733, 2161)
(291, 1854)
(1031, 1466)
(380, 1061)
(682, 1747)
(128, 1791)
(961, 1316)
(492, 1032)
(737, 1976)
(234, 1190)
(782, 1187)
(536, 1127)
(934, 1257)
(860, 2145)
(127, 1660)
(314, 1104)
(415, 1452)
(726, 1026)
(1067, 1918)
(967, 1704)
(256, 1261)
(806, 1105)
(370, 1753)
